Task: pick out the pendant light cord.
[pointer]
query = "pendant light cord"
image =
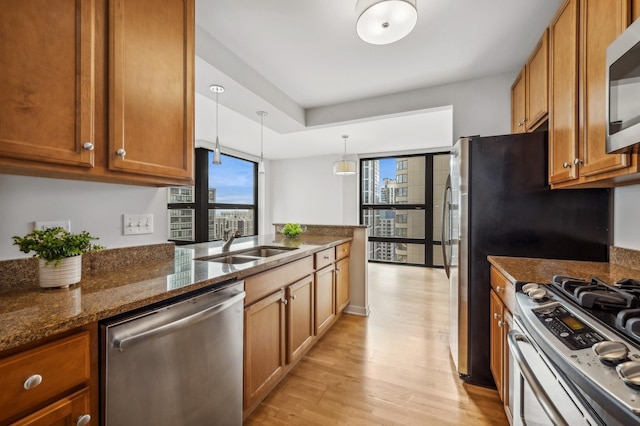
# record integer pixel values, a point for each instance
(261, 136)
(217, 115)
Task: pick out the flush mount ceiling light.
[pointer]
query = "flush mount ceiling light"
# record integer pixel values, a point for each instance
(344, 166)
(216, 151)
(385, 21)
(262, 114)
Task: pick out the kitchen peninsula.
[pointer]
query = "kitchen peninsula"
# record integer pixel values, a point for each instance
(114, 283)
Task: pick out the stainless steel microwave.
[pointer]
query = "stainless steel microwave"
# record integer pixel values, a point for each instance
(623, 92)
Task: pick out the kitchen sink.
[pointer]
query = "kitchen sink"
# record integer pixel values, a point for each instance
(246, 255)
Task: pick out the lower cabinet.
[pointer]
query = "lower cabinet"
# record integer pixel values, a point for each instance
(325, 299)
(71, 410)
(497, 341)
(264, 352)
(299, 318)
(342, 284)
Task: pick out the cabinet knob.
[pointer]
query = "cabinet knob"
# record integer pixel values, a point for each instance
(121, 152)
(293, 297)
(83, 420)
(566, 165)
(87, 146)
(32, 381)
(326, 257)
(577, 161)
(497, 315)
(499, 289)
(500, 323)
(284, 301)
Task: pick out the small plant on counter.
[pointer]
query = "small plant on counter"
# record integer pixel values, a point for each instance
(292, 230)
(53, 245)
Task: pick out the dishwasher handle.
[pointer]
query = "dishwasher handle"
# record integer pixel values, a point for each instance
(541, 395)
(124, 342)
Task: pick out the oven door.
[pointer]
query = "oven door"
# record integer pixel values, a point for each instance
(541, 396)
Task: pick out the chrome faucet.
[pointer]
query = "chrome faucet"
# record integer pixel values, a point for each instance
(229, 236)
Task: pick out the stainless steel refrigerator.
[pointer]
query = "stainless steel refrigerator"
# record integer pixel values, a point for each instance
(497, 202)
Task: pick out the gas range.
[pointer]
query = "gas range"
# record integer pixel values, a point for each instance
(591, 331)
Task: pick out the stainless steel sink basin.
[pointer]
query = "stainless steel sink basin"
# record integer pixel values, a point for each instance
(246, 255)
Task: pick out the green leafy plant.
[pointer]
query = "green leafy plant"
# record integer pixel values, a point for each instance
(55, 244)
(292, 230)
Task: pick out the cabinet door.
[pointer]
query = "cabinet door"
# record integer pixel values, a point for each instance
(47, 81)
(601, 21)
(518, 106)
(65, 412)
(635, 10)
(264, 351)
(151, 87)
(497, 342)
(342, 284)
(507, 392)
(537, 90)
(563, 93)
(325, 310)
(299, 318)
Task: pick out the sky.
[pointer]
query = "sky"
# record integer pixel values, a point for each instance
(387, 169)
(233, 180)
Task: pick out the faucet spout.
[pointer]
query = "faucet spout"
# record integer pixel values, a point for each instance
(229, 237)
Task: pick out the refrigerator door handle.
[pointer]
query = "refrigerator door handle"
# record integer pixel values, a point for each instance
(446, 207)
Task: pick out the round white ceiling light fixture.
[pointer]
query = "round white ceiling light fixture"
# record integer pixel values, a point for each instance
(385, 21)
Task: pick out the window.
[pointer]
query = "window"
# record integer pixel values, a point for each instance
(401, 201)
(223, 200)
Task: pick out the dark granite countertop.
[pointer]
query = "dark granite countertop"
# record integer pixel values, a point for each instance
(31, 313)
(541, 271)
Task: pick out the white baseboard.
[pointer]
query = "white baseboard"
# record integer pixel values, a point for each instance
(357, 310)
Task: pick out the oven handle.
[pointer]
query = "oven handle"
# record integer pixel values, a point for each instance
(547, 404)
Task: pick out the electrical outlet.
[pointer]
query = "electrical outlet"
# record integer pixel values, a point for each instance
(136, 224)
(46, 224)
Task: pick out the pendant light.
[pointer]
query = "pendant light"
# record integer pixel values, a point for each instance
(344, 166)
(262, 114)
(385, 21)
(217, 89)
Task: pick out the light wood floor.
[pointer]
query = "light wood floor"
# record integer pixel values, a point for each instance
(392, 368)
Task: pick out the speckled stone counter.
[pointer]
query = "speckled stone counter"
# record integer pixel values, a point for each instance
(29, 313)
(541, 271)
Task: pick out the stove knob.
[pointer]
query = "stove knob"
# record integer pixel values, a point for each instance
(610, 353)
(527, 288)
(538, 294)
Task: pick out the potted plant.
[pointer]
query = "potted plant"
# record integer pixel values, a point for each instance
(59, 253)
(291, 230)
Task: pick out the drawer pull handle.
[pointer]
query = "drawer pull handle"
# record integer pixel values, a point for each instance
(326, 257)
(32, 381)
(83, 420)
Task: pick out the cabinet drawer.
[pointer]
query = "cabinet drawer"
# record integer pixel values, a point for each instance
(342, 250)
(265, 283)
(503, 288)
(62, 365)
(324, 258)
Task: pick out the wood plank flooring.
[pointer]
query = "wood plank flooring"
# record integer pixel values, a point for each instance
(392, 368)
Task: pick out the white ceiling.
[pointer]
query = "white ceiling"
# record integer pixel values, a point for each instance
(293, 57)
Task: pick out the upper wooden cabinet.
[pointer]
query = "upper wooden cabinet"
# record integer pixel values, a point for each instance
(578, 38)
(529, 93)
(79, 102)
(47, 82)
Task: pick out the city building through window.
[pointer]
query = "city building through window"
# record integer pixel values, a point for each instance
(401, 204)
(223, 201)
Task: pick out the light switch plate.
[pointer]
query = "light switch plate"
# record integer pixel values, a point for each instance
(46, 224)
(137, 224)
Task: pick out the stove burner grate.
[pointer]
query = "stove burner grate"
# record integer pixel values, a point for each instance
(596, 293)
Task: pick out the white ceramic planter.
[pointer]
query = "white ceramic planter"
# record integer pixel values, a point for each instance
(68, 272)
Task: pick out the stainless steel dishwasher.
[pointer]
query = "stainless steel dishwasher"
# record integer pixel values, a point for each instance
(178, 364)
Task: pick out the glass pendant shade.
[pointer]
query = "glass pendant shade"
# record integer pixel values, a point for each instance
(385, 21)
(216, 151)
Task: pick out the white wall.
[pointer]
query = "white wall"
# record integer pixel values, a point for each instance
(626, 228)
(93, 207)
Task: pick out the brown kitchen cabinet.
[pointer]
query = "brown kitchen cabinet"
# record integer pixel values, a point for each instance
(342, 284)
(635, 10)
(578, 38)
(325, 299)
(529, 92)
(68, 110)
(47, 384)
(502, 301)
(264, 352)
(300, 331)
